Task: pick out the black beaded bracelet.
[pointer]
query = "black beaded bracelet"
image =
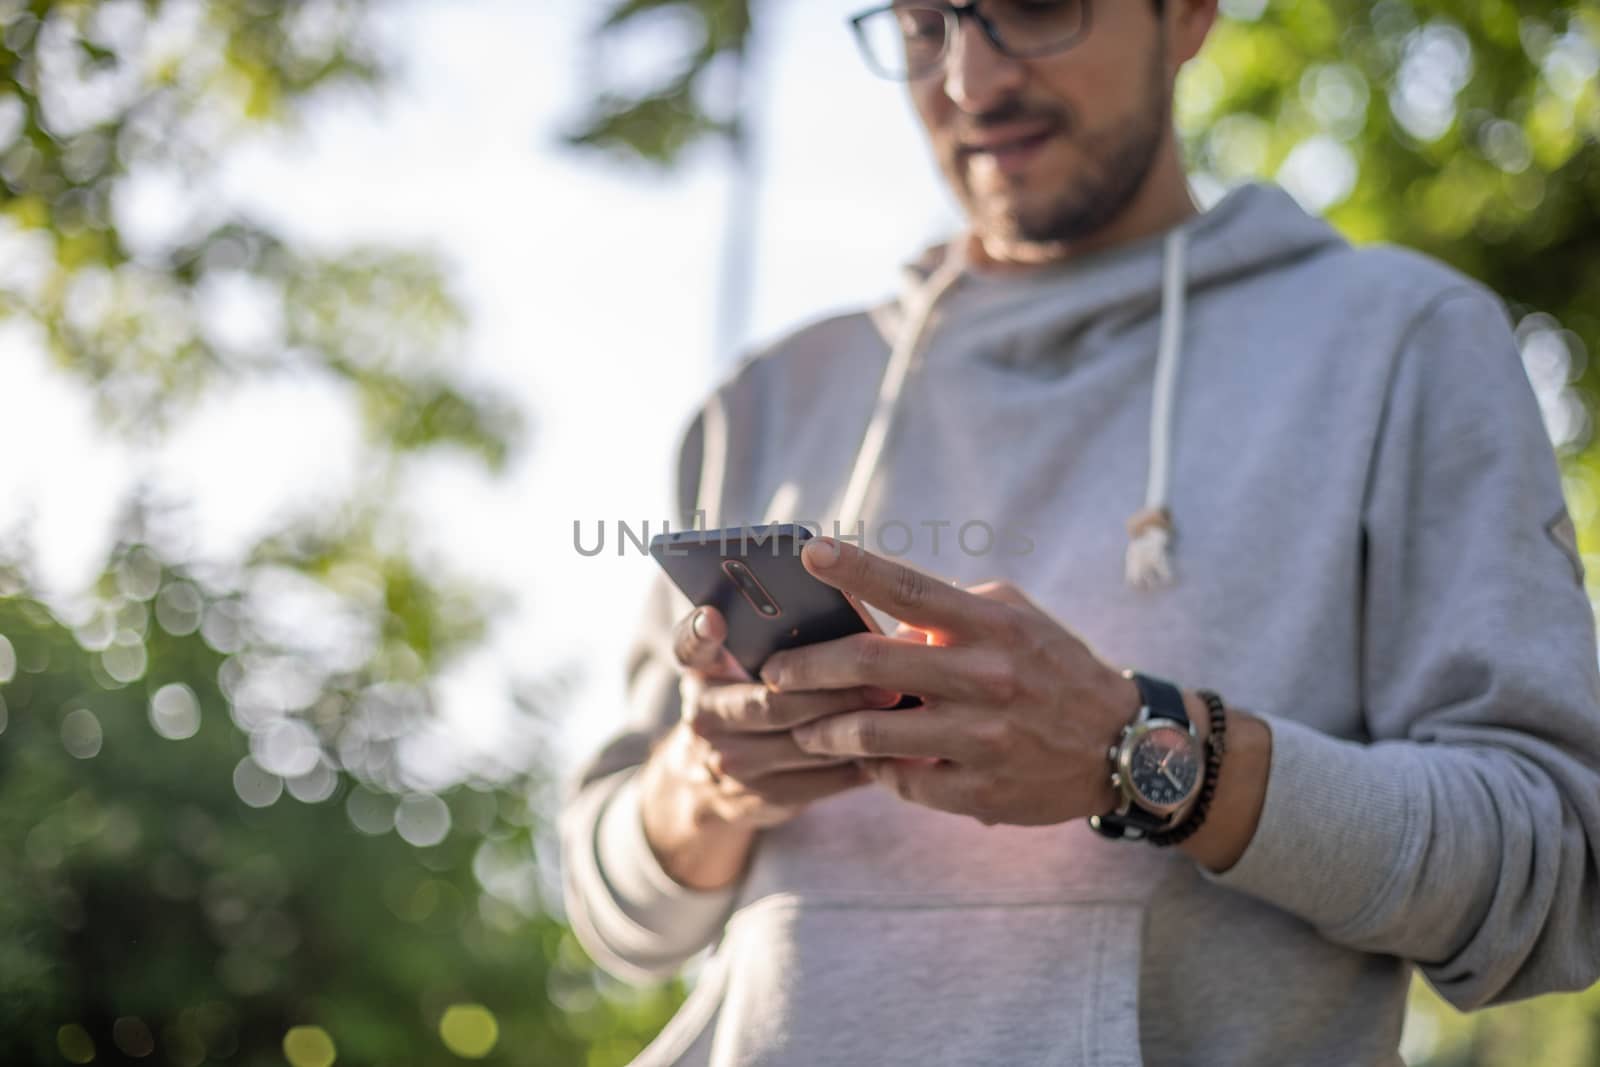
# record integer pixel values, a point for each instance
(1216, 745)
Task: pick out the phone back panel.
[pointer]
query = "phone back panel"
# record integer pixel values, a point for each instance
(809, 609)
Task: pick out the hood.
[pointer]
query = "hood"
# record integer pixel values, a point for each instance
(1045, 314)
(1018, 318)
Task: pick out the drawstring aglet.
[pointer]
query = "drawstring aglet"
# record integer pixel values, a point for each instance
(1149, 560)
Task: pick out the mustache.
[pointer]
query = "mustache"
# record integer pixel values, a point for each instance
(1013, 112)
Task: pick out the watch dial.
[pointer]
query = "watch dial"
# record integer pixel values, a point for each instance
(1165, 770)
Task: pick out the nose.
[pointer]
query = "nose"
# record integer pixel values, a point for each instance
(976, 76)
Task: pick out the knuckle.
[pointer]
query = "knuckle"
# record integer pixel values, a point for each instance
(866, 733)
(757, 709)
(868, 653)
(991, 738)
(998, 680)
(910, 587)
(1008, 626)
(731, 764)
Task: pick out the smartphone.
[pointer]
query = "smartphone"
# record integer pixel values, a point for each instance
(754, 576)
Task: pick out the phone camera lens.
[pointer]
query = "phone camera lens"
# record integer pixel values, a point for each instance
(750, 588)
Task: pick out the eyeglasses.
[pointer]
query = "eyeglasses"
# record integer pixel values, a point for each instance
(907, 41)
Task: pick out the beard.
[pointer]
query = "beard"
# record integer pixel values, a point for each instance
(1119, 160)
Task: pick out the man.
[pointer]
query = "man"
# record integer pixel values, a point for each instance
(1307, 484)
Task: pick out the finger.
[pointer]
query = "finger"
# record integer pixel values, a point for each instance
(931, 783)
(751, 757)
(904, 592)
(958, 672)
(929, 734)
(791, 788)
(745, 708)
(1002, 591)
(697, 643)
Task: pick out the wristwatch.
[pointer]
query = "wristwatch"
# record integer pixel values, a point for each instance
(1157, 765)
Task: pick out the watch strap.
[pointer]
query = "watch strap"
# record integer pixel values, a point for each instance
(1163, 699)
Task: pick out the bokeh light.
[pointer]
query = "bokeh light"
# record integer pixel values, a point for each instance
(75, 1044)
(81, 735)
(125, 659)
(309, 1046)
(469, 1030)
(178, 609)
(316, 785)
(371, 813)
(422, 820)
(257, 787)
(133, 1037)
(175, 712)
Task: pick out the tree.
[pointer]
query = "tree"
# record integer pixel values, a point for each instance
(706, 97)
(210, 846)
(1468, 129)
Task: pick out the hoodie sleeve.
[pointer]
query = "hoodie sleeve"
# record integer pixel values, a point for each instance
(1466, 836)
(632, 917)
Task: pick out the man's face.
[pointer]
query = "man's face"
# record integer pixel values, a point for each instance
(1054, 148)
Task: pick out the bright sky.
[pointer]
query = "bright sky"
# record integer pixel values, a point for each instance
(591, 291)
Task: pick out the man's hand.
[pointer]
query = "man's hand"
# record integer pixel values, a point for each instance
(735, 734)
(730, 766)
(1017, 711)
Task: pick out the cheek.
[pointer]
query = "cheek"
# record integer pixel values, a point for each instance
(934, 110)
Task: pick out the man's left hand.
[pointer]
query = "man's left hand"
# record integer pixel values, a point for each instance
(1017, 711)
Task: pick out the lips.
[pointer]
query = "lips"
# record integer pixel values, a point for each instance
(1010, 154)
(1007, 141)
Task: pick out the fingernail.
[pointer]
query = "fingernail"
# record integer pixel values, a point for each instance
(699, 624)
(772, 674)
(823, 553)
(876, 695)
(804, 736)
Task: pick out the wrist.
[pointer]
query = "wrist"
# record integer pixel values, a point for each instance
(1124, 701)
(693, 843)
(1235, 809)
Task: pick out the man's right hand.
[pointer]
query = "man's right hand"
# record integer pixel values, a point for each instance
(730, 766)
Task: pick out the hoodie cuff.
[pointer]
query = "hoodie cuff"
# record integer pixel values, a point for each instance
(1335, 825)
(642, 887)
(633, 918)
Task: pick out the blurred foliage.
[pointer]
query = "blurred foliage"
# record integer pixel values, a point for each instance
(215, 843)
(102, 100)
(657, 121)
(1467, 129)
(194, 862)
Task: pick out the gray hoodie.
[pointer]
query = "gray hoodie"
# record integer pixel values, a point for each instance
(1369, 550)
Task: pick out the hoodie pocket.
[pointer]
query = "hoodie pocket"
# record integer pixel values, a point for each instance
(930, 982)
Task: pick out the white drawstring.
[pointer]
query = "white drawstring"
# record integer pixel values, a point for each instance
(901, 357)
(1149, 558)
(1149, 555)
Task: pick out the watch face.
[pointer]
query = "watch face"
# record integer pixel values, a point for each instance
(1165, 768)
